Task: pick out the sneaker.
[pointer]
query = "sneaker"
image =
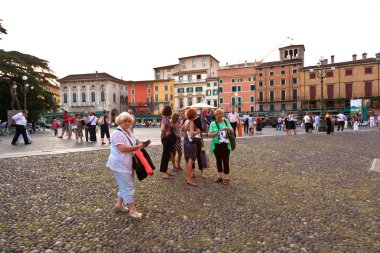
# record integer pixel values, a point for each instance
(136, 215)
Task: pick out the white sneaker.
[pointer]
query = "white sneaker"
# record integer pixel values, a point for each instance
(136, 215)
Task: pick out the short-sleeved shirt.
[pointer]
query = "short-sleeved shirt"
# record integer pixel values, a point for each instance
(216, 139)
(86, 119)
(93, 120)
(317, 120)
(19, 119)
(166, 122)
(233, 117)
(306, 119)
(121, 161)
(65, 119)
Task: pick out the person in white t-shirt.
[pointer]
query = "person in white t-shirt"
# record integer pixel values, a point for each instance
(234, 119)
(307, 121)
(341, 120)
(372, 121)
(20, 123)
(245, 120)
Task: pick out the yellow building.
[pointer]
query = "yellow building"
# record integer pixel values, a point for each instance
(55, 90)
(163, 91)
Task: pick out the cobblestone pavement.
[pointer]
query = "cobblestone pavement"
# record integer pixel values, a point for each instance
(307, 193)
(45, 143)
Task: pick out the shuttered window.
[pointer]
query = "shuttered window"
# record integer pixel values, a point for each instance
(330, 91)
(368, 89)
(313, 92)
(348, 90)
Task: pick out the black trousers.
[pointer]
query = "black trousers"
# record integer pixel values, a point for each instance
(234, 127)
(92, 133)
(246, 126)
(222, 155)
(165, 158)
(20, 129)
(329, 128)
(199, 148)
(104, 130)
(86, 132)
(341, 125)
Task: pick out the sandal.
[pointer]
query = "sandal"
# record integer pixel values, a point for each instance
(167, 177)
(192, 183)
(219, 180)
(120, 209)
(226, 181)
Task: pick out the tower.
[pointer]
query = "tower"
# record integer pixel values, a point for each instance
(292, 52)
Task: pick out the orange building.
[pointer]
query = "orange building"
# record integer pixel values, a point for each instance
(237, 87)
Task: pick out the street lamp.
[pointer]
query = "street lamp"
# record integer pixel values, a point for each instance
(236, 100)
(321, 72)
(27, 88)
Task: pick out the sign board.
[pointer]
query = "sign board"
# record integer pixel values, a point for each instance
(356, 106)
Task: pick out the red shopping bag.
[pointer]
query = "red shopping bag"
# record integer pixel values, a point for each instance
(144, 162)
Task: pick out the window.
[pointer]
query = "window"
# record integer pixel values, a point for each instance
(74, 97)
(191, 89)
(215, 84)
(283, 81)
(252, 99)
(133, 91)
(184, 64)
(295, 80)
(148, 90)
(283, 95)
(271, 96)
(215, 92)
(121, 99)
(199, 99)
(348, 90)
(221, 101)
(169, 70)
(156, 98)
(220, 80)
(240, 80)
(271, 73)
(233, 80)
(156, 88)
(282, 72)
(166, 87)
(253, 87)
(260, 83)
(83, 96)
(239, 88)
(169, 76)
(199, 77)
(330, 91)
(157, 77)
(148, 100)
(252, 108)
(312, 75)
(283, 107)
(74, 87)
(65, 88)
(203, 62)
(208, 84)
(261, 74)
(133, 101)
(239, 101)
(329, 74)
(233, 88)
(348, 72)
(208, 93)
(114, 98)
(294, 71)
(271, 107)
(198, 89)
(166, 97)
(181, 90)
(271, 82)
(189, 78)
(368, 70)
(295, 107)
(233, 100)
(220, 89)
(261, 96)
(102, 96)
(194, 63)
(65, 98)
(189, 101)
(181, 105)
(180, 78)
(313, 92)
(295, 94)
(261, 108)
(368, 89)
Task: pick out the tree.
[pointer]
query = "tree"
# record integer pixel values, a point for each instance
(13, 66)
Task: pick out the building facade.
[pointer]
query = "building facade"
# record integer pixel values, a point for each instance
(358, 78)
(279, 82)
(93, 92)
(56, 91)
(237, 87)
(163, 91)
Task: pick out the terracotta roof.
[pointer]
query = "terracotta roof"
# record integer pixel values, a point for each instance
(199, 55)
(346, 63)
(190, 72)
(164, 67)
(278, 63)
(90, 76)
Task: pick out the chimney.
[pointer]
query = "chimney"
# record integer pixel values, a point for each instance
(378, 57)
(325, 61)
(354, 57)
(245, 63)
(364, 55)
(226, 63)
(332, 59)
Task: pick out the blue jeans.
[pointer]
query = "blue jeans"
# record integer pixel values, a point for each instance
(279, 126)
(126, 186)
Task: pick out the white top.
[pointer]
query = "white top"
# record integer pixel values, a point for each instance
(306, 119)
(341, 117)
(245, 116)
(121, 161)
(93, 121)
(20, 119)
(233, 117)
(372, 118)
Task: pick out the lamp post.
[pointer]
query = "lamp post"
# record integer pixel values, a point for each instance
(236, 100)
(321, 72)
(26, 89)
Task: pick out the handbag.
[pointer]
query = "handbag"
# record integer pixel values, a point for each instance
(205, 159)
(231, 137)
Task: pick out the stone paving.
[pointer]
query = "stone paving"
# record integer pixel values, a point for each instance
(306, 193)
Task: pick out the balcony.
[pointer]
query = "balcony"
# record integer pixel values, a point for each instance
(279, 100)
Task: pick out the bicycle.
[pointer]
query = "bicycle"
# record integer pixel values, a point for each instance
(4, 130)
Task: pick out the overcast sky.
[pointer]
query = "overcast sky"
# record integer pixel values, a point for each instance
(128, 38)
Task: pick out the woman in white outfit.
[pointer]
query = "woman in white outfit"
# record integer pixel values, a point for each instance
(372, 121)
(123, 143)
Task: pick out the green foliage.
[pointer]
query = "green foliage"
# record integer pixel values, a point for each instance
(2, 29)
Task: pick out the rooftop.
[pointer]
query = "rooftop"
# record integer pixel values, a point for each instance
(345, 63)
(90, 76)
(199, 55)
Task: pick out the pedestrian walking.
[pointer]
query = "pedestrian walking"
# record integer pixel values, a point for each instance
(65, 124)
(372, 121)
(93, 123)
(307, 122)
(341, 121)
(86, 126)
(168, 140)
(356, 122)
(104, 127)
(123, 143)
(259, 124)
(198, 125)
(251, 125)
(245, 122)
(77, 128)
(279, 123)
(55, 126)
(291, 123)
(71, 124)
(177, 153)
(234, 119)
(19, 121)
(317, 122)
(329, 122)
(220, 145)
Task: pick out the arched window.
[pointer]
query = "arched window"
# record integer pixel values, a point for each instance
(65, 98)
(194, 63)
(83, 96)
(121, 99)
(92, 96)
(102, 96)
(114, 98)
(74, 97)
(203, 62)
